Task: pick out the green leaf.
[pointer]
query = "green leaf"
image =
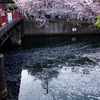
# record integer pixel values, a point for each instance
(98, 17)
(97, 23)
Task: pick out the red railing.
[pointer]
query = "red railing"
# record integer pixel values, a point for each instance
(16, 15)
(4, 17)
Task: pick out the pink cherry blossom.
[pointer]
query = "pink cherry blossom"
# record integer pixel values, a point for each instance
(71, 9)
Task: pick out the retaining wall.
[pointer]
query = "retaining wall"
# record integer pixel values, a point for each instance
(56, 27)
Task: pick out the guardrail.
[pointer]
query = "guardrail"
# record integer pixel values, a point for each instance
(7, 17)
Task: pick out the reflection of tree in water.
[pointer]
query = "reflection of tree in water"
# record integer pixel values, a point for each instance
(81, 64)
(46, 77)
(84, 70)
(48, 70)
(44, 73)
(45, 63)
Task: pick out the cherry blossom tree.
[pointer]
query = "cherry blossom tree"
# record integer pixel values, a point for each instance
(37, 10)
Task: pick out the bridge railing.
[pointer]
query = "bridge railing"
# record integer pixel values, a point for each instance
(16, 15)
(4, 17)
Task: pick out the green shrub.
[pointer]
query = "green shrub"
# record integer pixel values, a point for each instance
(97, 23)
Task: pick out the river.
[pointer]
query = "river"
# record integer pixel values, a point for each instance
(54, 68)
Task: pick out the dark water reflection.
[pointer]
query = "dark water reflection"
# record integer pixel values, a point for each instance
(58, 68)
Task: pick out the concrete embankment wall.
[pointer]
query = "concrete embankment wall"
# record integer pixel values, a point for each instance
(56, 27)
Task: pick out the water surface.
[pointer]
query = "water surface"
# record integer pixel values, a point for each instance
(56, 68)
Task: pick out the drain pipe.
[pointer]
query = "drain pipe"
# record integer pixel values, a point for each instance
(3, 89)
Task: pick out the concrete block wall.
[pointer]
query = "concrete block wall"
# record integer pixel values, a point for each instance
(55, 28)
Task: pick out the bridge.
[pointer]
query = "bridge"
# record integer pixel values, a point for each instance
(10, 26)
